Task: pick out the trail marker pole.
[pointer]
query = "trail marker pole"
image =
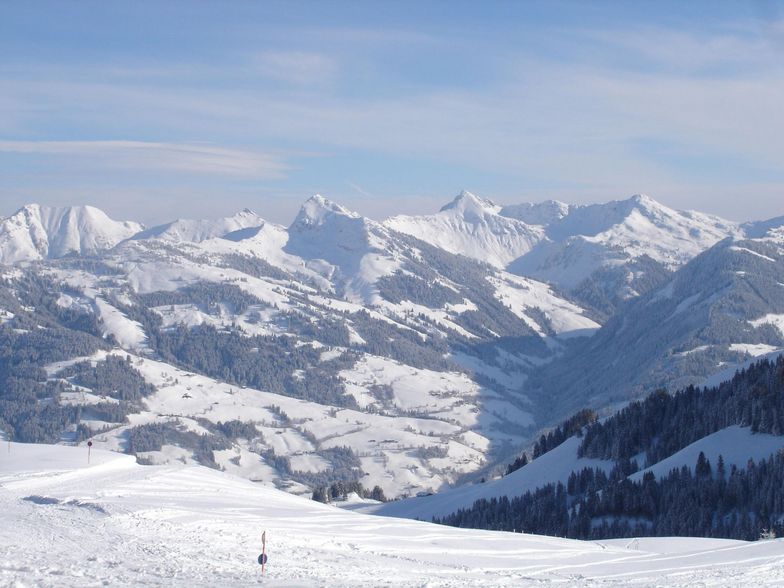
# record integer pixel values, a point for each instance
(263, 556)
(89, 449)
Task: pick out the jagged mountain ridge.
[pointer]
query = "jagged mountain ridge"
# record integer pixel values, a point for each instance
(37, 232)
(602, 254)
(473, 227)
(200, 230)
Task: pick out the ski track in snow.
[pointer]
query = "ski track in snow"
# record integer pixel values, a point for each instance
(115, 523)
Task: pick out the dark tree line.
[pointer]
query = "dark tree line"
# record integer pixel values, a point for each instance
(703, 501)
(662, 424)
(340, 491)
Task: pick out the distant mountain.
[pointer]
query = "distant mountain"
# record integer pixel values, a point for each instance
(351, 251)
(196, 231)
(334, 348)
(37, 232)
(603, 253)
(475, 228)
(590, 238)
(725, 305)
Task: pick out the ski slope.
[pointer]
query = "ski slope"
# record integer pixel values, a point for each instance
(120, 524)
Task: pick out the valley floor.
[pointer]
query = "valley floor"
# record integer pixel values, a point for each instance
(116, 523)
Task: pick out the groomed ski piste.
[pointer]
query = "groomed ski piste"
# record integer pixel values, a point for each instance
(114, 522)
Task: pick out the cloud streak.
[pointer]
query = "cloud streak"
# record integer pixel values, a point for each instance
(146, 155)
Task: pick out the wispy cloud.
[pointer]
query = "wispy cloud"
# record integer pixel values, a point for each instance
(145, 155)
(298, 67)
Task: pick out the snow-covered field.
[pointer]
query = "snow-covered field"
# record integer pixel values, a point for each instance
(115, 523)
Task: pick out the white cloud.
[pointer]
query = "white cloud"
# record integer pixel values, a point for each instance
(299, 67)
(145, 155)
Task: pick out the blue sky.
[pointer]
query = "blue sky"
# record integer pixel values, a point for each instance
(153, 110)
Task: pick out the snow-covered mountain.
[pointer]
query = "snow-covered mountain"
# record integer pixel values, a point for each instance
(195, 231)
(37, 232)
(336, 332)
(724, 306)
(602, 253)
(339, 331)
(349, 250)
(473, 227)
(592, 237)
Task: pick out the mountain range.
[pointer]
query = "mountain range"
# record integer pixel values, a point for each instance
(411, 353)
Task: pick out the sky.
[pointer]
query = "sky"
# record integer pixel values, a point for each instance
(157, 110)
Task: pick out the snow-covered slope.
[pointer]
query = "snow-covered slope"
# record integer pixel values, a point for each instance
(114, 522)
(41, 232)
(199, 230)
(736, 445)
(435, 426)
(473, 227)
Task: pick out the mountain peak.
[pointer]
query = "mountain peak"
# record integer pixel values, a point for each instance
(317, 209)
(39, 232)
(642, 199)
(467, 201)
(645, 202)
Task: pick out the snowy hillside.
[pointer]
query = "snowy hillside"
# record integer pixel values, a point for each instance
(434, 427)
(114, 522)
(553, 467)
(42, 232)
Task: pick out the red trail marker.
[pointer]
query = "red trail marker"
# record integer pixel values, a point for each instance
(89, 449)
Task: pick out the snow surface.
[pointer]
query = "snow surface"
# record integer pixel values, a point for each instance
(120, 524)
(201, 230)
(523, 294)
(753, 349)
